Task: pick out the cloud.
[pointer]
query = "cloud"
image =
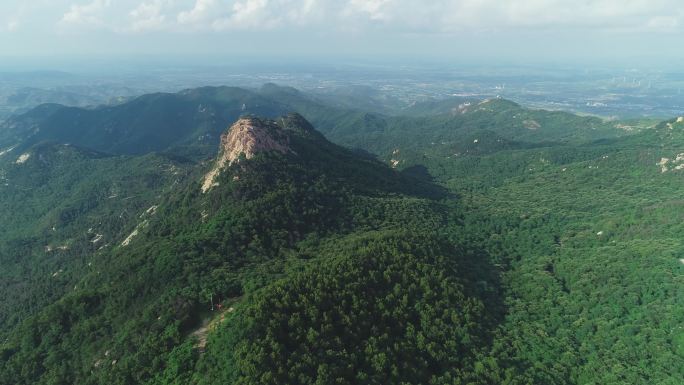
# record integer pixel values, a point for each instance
(373, 16)
(341, 25)
(373, 9)
(224, 15)
(552, 14)
(434, 16)
(306, 10)
(147, 16)
(90, 13)
(199, 13)
(249, 14)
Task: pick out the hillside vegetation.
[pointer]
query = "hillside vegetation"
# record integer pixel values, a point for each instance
(486, 244)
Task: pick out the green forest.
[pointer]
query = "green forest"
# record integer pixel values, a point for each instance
(495, 245)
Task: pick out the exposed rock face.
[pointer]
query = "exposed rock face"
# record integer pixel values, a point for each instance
(677, 163)
(247, 136)
(23, 158)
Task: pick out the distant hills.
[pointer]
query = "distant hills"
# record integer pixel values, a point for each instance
(193, 120)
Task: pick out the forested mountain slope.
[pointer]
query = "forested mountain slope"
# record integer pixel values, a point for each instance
(135, 309)
(60, 205)
(497, 245)
(593, 238)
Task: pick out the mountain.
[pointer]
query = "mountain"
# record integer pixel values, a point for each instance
(63, 204)
(188, 122)
(283, 200)
(155, 122)
(246, 138)
(590, 234)
(481, 127)
(191, 122)
(487, 243)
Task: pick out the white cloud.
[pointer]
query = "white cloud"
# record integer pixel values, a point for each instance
(361, 16)
(201, 11)
(222, 15)
(90, 13)
(148, 16)
(373, 9)
(434, 16)
(249, 14)
(552, 14)
(340, 25)
(309, 10)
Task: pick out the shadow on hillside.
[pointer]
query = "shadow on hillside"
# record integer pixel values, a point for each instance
(421, 178)
(361, 153)
(484, 277)
(419, 172)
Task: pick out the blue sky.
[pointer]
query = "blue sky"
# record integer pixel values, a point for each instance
(618, 30)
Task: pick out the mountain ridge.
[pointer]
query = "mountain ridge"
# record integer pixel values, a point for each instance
(192, 121)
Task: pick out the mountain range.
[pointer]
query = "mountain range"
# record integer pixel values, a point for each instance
(269, 236)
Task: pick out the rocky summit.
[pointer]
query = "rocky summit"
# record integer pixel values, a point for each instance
(246, 137)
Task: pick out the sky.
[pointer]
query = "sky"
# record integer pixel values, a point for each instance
(611, 31)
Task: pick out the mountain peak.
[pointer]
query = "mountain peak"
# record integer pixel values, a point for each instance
(246, 137)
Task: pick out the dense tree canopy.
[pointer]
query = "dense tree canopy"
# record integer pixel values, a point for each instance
(508, 246)
(393, 308)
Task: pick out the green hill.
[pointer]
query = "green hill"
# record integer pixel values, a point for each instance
(591, 235)
(62, 205)
(130, 312)
(487, 244)
(155, 122)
